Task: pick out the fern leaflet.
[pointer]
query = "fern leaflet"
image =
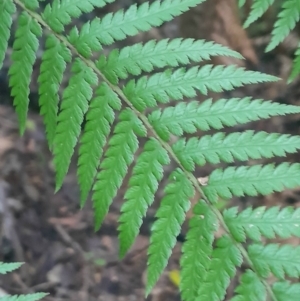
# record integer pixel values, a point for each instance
(250, 289)
(7, 9)
(99, 121)
(23, 57)
(285, 290)
(137, 58)
(253, 223)
(296, 66)
(143, 184)
(74, 105)
(60, 13)
(117, 26)
(29, 297)
(225, 258)
(276, 259)
(9, 267)
(197, 250)
(181, 83)
(118, 157)
(240, 146)
(170, 216)
(287, 19)
(189, 117)
(51, 73)
(253, 180)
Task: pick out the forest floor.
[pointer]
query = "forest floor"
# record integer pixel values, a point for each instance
(56, 239)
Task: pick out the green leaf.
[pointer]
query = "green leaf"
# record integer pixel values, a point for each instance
(23, 57)
(9, 267)
(180, 83)
(52, 68)
(279, 260)
(285, 290)
(296, 66)
(225, 258)
(240, 146)
(250, 289)
(118, 157)
(74, 105)
(197, 250)
(287, 18)
(117, 26)
(61, 12)
(31, 4)
(143, 184)
(137, 58)
(251, 180)
(170, 216)
(258, 8)
(7, 9)
(99, 120)
(254, 223)
(192, 116)
(29, 297)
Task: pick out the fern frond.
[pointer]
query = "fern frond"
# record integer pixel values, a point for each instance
(192, 116)
(253, 223)
(31, 4)
(7, 9)
(197, 250)
(250, 289)
(241, 3)
(285, 290)
(74, 105)
(99, 120)
(253, 180)
(296, 66)
(287, 19)
(240, 146)
(29, 297)
(118, 157)
(61, 12)
(225, 258)
(279, 260)
(258, 8)
(143, 184)
(117, 26)
(23, 57)
(137, 58)
(53, 65)
(180, 83)
(170, 216)
(9, 267)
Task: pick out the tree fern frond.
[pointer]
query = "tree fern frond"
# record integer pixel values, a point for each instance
(240, 146)
(61, 12)
(23, 57)
(29, 297)
(197, 250)
(296, 66)
(251, 180)
(279, 260)
(9, 267)
(180, 83)
(99, 121)
(189, 117)
(258, 8)
(253, 223)
(137, 58)
(225, 258)
(143, 184)
(53, 65)
(117, 26)
(287, 19)
(7, 9)
(118, 157)
(250, 289)
(170, 216)
(74, 105)
(285, 290)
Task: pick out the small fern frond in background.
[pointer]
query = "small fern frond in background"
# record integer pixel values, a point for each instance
(296, 66)
(285, 290)
(9, 267)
